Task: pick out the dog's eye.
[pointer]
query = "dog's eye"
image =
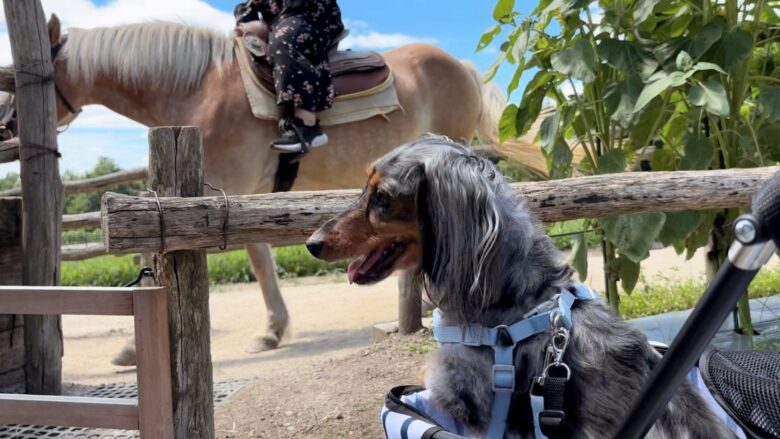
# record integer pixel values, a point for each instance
(382, 201)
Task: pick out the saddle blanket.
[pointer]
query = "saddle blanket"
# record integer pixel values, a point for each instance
(378, 101)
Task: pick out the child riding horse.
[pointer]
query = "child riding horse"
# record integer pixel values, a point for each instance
(301, 34)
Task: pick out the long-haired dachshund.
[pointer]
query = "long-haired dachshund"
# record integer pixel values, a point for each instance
(434, 207)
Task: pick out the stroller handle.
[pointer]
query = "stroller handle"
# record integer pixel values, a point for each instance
(766, 208)
(745, 258)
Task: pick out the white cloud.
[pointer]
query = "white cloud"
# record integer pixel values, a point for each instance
(379, 41)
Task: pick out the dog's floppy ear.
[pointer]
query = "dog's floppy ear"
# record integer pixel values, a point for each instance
(460, 226)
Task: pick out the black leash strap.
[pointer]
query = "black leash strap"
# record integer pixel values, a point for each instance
(552, 420)
(145, 272)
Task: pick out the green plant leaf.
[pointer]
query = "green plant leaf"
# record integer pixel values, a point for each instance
(620, 98)
(663, 160)
(522, 42)
(493, 69)
(549, 130)
(705, 38)
(644, 124)
(698, 152)
(506, 125)
(503, 8)
(734, 47)
(677, 79)
(633, 235)
(488, 37)
(515, 81)
(628, 271)
(611, 162)
(559, 162)
(577, 61)
(579, 256)
(628, 57)
(768, 136)
(677, 226)
(529, 109)
(711, 95)
(643, 10)
(708, 66)
(769, 103)
(684, 61)
(652, 89)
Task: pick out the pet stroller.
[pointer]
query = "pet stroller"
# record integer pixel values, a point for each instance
(742, 388)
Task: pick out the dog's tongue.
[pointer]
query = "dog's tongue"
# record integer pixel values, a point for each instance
(362, 265)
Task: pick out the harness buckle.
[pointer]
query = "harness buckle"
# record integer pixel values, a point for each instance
(560, 370)
(551, 420)
(503, 336)
(472, 335)
(503, 378)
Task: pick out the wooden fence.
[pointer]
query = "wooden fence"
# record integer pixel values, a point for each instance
(151, 413)
(176, 155)
(132, 224)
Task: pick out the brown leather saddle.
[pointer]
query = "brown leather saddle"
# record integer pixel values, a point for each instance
(353, 72)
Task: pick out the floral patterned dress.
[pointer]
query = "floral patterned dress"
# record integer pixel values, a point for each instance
(301, 32)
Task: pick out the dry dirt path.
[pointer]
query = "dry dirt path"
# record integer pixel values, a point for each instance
(330, 319)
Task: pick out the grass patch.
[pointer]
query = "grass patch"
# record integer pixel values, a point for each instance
(224, 268)
(422, 347)
(82, 236)
(665, 295)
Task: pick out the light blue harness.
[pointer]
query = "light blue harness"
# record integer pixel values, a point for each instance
(554, 316)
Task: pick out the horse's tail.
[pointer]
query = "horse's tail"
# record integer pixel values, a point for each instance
(523, 150)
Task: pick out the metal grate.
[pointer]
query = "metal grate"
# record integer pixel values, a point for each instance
(222, 391)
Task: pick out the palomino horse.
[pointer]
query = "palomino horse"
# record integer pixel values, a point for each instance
(170, 74)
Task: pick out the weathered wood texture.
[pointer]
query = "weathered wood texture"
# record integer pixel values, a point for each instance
(41, 185)
(66, 300)
(69, 411)
(11, 325)
(176, 169)
(409, 303)
(93, 184)
(131, 224)
(80, 252)
(88, 220)
(153, 361)
(9, 150)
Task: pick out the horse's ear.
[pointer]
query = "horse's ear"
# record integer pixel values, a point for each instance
(54, 29)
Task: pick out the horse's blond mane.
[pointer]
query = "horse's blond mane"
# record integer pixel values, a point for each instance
(159, 55)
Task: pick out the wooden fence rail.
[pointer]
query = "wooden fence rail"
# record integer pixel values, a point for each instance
(93, 184)
(89, 220)
(152, 412)
(132, 224)
(9, 150)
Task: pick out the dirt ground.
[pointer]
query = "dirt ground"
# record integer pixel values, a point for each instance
(327, 380)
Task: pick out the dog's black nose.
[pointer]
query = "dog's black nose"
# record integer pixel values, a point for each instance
(314, 247)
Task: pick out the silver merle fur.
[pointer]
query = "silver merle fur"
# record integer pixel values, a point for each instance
(486, 260)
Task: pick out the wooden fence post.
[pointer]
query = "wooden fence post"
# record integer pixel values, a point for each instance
(409, 304)
(11, 325)
(41, 185)
(176, 169)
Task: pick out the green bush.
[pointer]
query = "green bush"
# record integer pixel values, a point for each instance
(224, 268)
(81, 236)
(664, 295)
(105, 271)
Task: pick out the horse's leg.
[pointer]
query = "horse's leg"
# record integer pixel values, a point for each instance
(265, 271)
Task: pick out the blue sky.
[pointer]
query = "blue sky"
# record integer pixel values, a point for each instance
(453, 25)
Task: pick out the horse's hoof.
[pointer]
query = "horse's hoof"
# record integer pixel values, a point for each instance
(263, 343)
(126, 357)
